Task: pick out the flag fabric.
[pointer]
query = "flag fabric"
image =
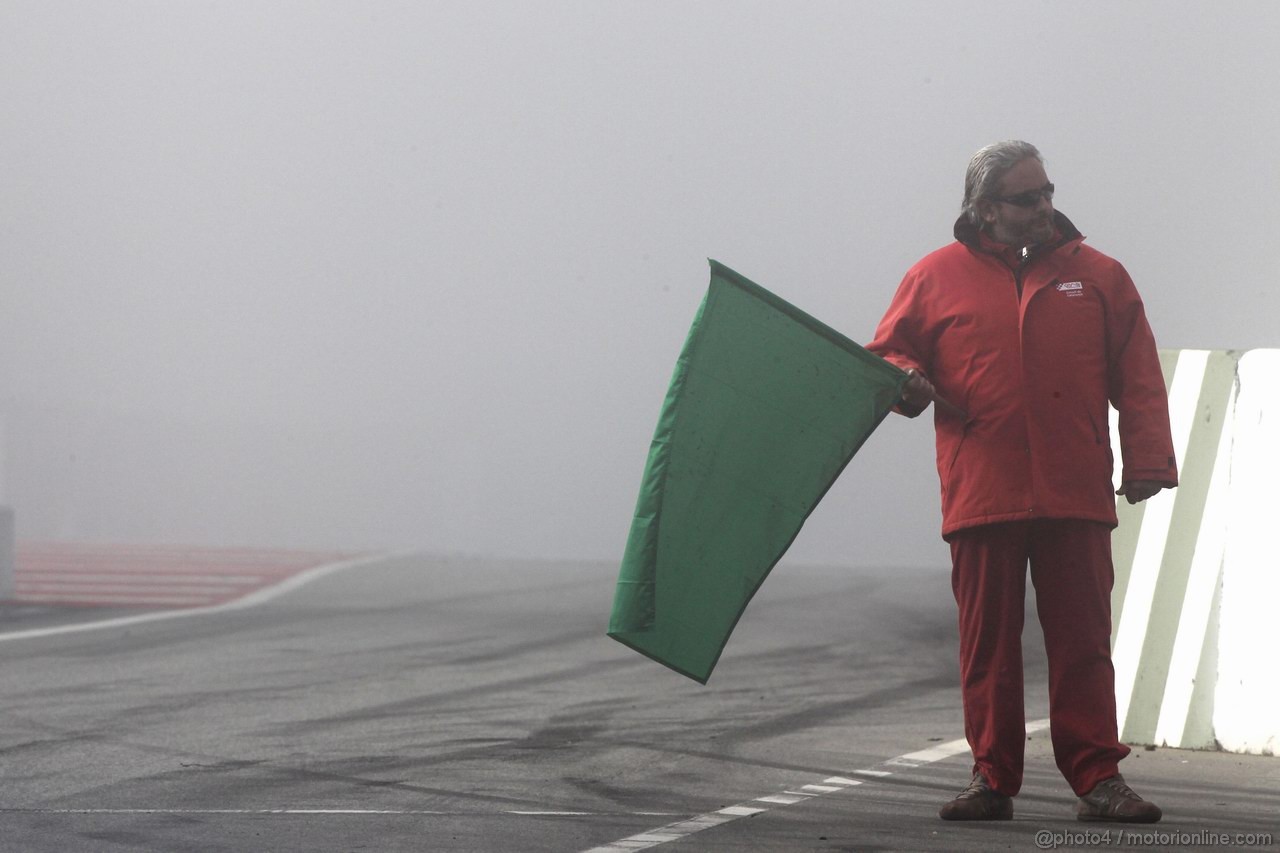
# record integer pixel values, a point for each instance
(766, 407)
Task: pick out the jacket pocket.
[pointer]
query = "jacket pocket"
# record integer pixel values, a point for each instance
(1097, 434)
(955, 454)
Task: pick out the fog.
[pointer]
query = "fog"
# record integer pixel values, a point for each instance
(415, 275)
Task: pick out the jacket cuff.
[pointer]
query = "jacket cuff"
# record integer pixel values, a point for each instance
(1168, 477)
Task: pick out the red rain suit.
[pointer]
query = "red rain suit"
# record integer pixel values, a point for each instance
(1032, 349)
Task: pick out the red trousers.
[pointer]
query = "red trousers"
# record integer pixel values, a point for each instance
(1071, 568)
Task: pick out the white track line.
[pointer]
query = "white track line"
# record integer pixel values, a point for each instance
(253, 599)
(684, 828)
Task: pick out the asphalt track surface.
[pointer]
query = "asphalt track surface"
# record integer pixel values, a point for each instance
(429, 704)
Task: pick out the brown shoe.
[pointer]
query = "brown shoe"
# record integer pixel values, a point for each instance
(1111, 799)
(979, 801)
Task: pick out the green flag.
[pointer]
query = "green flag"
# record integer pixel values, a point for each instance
(766, 407)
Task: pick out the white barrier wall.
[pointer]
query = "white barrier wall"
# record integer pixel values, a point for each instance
(1194, 624)
(1247, 700)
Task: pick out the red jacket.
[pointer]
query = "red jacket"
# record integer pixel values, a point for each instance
(1034, 371)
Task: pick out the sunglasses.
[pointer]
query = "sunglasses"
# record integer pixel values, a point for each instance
(1030, 198)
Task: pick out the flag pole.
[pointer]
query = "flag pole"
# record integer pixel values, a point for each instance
(947, 406)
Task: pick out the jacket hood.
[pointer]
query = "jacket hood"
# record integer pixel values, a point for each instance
(968, 233)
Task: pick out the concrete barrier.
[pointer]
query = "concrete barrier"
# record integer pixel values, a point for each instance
(1196, 590)
(1247, 698)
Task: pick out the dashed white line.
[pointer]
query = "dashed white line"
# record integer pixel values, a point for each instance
(684, 828)
(740, 811)
(783, 799)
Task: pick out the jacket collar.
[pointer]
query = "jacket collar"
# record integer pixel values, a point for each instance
(969, 234)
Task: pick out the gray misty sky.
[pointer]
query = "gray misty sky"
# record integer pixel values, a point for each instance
(415, 274)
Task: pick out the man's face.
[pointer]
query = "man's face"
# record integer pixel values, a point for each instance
(1015, 225)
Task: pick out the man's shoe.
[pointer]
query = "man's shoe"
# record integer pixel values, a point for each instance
(1111, 799)
(979, 801)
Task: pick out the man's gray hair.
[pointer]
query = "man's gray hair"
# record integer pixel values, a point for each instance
(987, 167)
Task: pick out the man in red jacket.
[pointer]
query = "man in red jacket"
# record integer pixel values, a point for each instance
(1031, 333)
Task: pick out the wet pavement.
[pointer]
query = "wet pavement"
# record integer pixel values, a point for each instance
(449, 704)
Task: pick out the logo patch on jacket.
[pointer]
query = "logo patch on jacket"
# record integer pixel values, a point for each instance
(1070, 288)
